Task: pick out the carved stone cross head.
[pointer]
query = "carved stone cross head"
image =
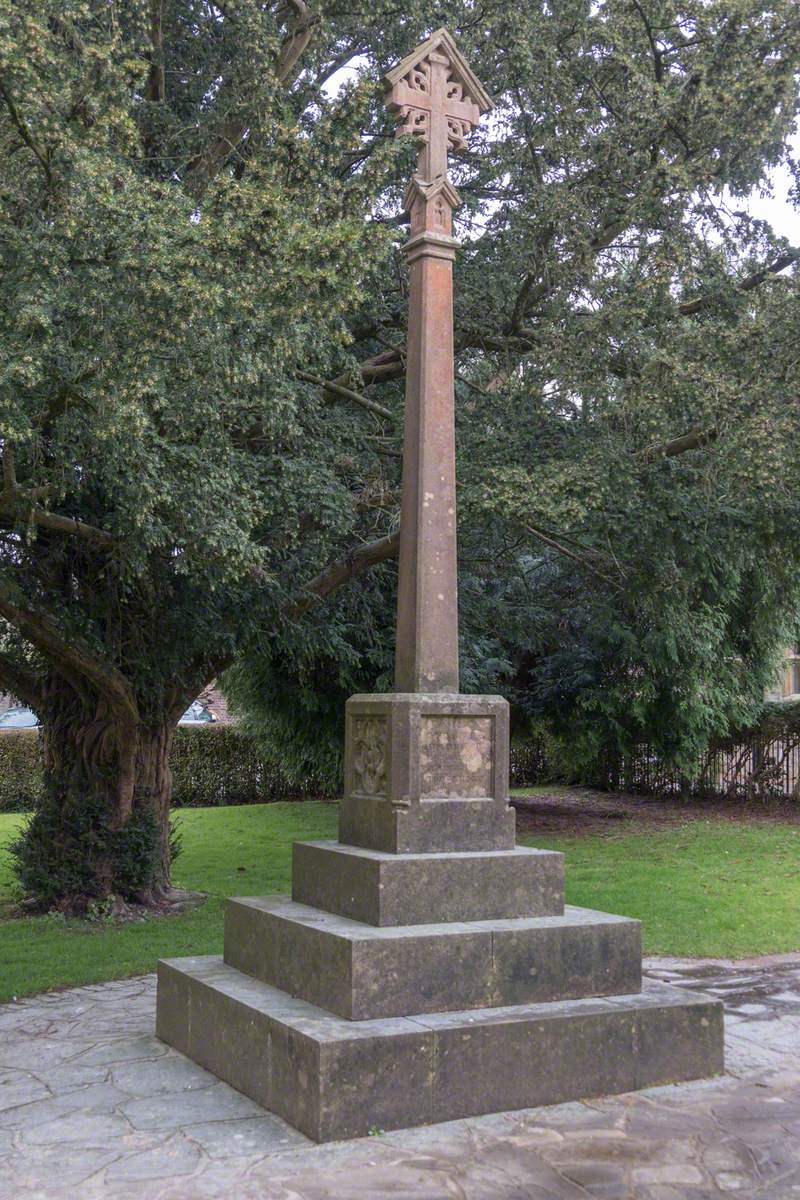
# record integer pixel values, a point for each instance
(437, 98)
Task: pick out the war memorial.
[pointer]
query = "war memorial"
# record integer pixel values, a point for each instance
(425, 967)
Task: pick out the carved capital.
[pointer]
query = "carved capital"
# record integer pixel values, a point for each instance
(431, 245)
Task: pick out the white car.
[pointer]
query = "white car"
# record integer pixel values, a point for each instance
(24, 718)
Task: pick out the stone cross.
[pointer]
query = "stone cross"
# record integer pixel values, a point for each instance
(426, 769)
(436, 98)
(425, 968)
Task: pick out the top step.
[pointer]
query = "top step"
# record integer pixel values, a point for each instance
(419, 889)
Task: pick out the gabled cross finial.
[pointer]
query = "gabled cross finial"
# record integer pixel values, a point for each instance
(437, 98)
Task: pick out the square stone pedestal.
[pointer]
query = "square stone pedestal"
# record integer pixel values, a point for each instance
(426, 968)
(426, 773)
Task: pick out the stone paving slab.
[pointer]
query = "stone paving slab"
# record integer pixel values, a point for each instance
(92, 1106)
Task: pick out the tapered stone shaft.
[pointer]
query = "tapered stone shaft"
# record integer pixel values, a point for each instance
(427, 608)
(438, 99)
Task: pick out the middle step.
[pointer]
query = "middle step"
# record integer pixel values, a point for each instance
(362, 972)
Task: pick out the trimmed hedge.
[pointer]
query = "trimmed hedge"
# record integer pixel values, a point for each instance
(20, 770)
(217, 764)
(211, 764)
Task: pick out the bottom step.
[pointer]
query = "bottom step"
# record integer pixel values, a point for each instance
(334, 1078)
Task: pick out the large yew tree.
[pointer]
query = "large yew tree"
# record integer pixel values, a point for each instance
(202, 335)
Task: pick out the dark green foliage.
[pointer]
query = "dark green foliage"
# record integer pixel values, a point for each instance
(528, 763)
(290, 697)
(193, 230)
(777, 719)
(627, 423)
(756, 761)
(20, 770)
(78, 853)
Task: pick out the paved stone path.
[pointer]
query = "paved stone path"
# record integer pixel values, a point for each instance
(92, 1105)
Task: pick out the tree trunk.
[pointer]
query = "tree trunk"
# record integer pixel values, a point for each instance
(102, 828)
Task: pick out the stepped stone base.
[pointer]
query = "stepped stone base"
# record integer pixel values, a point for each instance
(336, 1078)
(425, 968)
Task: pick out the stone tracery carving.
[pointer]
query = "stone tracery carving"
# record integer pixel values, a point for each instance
(457, 132)
(369, 756)
(419, 77)
(414, 120)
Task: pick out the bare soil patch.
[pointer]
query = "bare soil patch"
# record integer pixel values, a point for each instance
(576, 811)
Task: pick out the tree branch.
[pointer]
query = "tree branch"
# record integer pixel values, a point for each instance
(62, 524)
(580, 559)
(690, 307)
(202, 169)
(692, 440)
(20, 683)
(9, 469)
(658, 66)
(25, 133)
(338, 389)
(12, 496)
(344, 569)
(55, 521)
(155, 87)
(72, 656)
(381, 367)
(296, 40)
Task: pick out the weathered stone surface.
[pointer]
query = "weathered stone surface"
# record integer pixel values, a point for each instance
(335, 1078)
(432, 826)
(242, 1137)
(328, 1077)
(165, 1075)
(558, 1052)
(673, 1044)
(582, 954)
(455, 757)
(426, 773)
(225, 1037)
(172, 1011)
(413, 889)
(513, 1058)
(176, 1157)
(362, 972)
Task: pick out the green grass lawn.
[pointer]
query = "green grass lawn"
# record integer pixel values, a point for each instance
(704, 888)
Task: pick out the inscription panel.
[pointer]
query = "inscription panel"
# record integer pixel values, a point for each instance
(368, 756)
(455, 757)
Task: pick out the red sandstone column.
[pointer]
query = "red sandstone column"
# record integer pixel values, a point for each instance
(438, 100)
(427, 606)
